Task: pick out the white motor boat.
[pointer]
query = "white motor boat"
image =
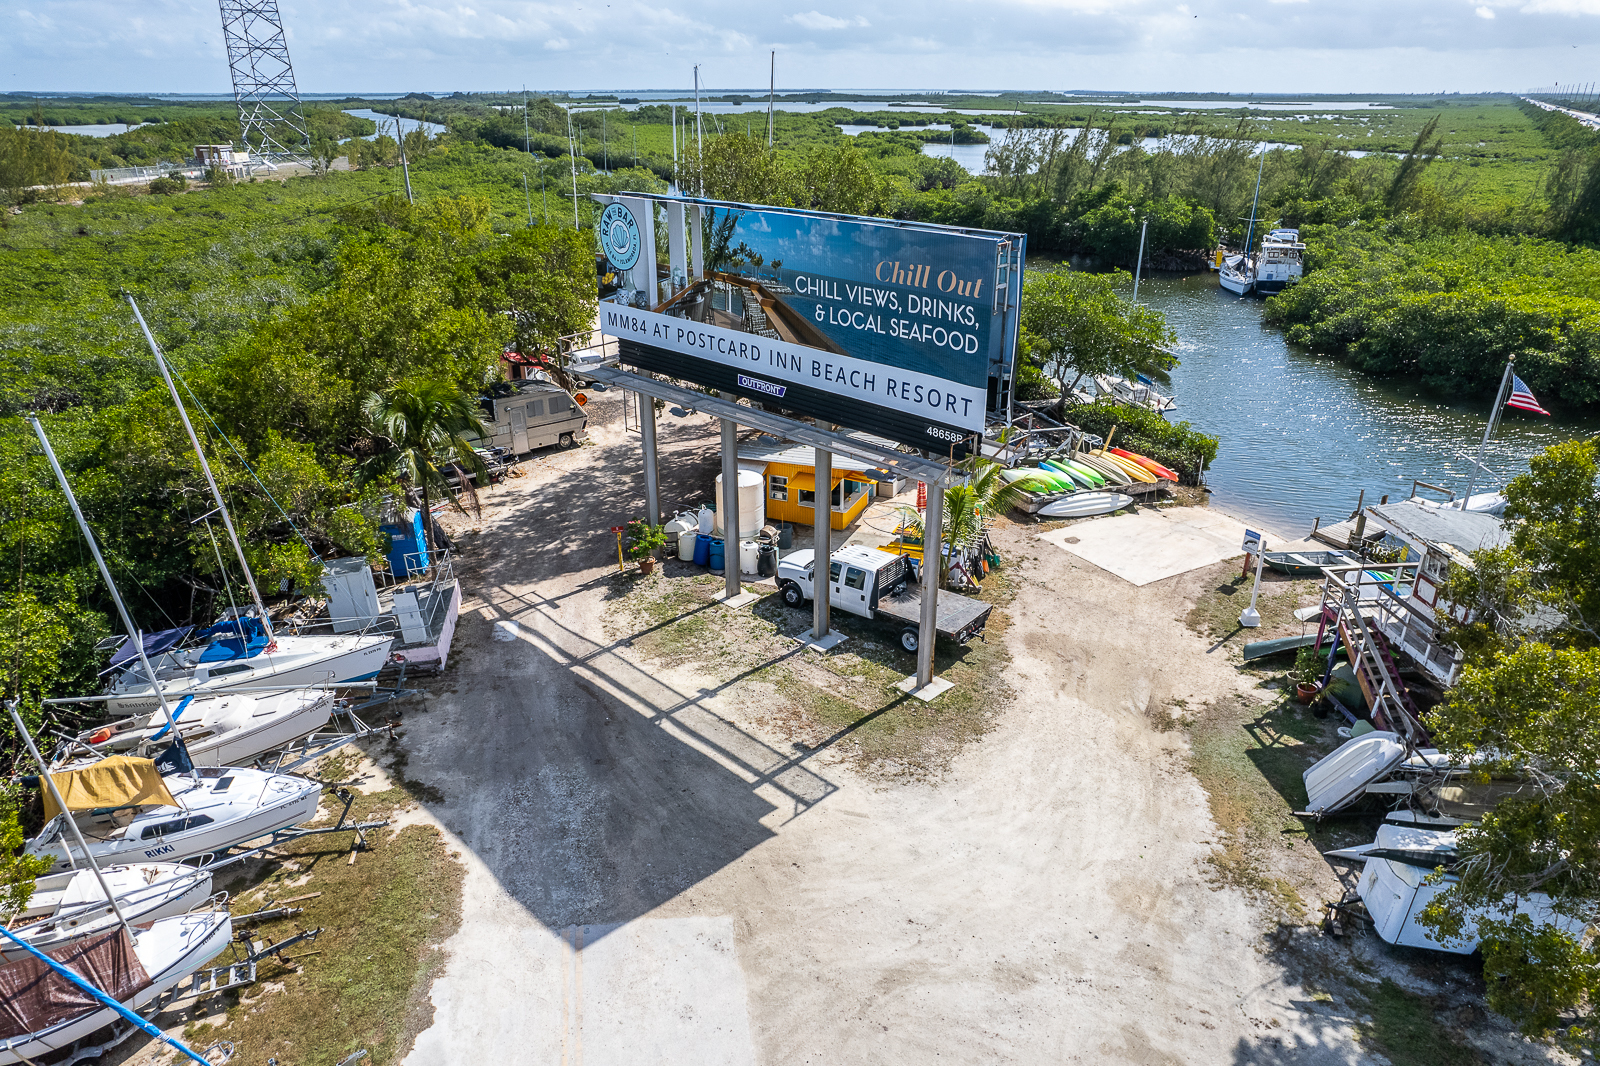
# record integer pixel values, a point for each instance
(239, 655)
(1141, 393)
(70, 906)
(219, 731)
(55, 1013)
(1394, 888)
(1279, 262)
(214, 808)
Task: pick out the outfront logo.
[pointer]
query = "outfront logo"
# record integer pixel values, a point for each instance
(619, 236)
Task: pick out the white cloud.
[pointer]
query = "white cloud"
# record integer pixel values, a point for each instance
(1486, 12)
(1562, 7)
(816, 20)
(557, 44)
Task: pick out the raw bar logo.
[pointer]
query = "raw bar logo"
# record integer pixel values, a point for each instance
(762, 386)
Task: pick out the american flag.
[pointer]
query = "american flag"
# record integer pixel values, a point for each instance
(1522, 398)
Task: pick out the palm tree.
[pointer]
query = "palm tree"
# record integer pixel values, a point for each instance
(422, 425)
(982, 496)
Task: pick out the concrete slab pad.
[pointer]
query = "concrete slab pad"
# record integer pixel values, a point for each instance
(937, 687)
(743, 599)
(664, 991)
(1151, 545)
(826, 644)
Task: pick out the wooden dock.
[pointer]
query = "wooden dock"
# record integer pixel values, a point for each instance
(1343, 534)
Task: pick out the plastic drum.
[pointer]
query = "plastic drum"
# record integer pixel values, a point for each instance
(702, 549)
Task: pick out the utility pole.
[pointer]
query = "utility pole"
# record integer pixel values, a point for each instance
(526, 141)
(526, 196)
(605, 143)
(572, 154)
(404, 166)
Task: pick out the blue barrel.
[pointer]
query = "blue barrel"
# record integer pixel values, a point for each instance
(716, 554)
(702, 549)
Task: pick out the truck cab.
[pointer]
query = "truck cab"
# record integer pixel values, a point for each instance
(858, 578)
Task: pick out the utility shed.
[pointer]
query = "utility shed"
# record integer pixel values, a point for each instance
(791, 486)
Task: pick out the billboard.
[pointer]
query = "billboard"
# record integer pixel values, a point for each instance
(903, 329)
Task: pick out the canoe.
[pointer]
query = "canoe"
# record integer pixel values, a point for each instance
(1092, 478)
(1113, 473)
(1148, 463)
(1131, 468)
(1308, 564)
(1085, 505)
(1260, 649)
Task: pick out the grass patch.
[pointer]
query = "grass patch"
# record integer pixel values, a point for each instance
(1406, 1028)
(1215, 614)
(382, 919)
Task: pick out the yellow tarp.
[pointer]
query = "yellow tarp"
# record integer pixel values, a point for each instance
(118, 781)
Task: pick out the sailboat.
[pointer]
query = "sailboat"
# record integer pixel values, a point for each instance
(229, 730)
(1237, 273)
(46, 1012)
(71, 906)
(126, 812)
(241, 651)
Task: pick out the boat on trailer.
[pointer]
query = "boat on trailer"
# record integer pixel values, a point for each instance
(46, 1013)
(69, 906)
(228, 730)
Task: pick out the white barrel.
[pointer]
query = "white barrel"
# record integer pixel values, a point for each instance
(752, 504)
(676, 526)
(749, 556)
(686, 544)
(707, 517)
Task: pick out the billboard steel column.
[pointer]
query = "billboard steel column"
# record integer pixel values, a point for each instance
(932, 555)
(652, 472)
(729, 505)
(821, 541)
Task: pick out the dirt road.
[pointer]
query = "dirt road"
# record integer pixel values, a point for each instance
(650, 879)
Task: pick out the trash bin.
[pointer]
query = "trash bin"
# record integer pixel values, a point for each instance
(715, 555)
(786, 537)
(686, 543)
(767, 560)
(702, 549)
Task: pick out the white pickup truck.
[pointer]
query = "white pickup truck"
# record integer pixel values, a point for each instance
(878, 585)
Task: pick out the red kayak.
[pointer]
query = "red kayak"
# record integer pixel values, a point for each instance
(1149, 464)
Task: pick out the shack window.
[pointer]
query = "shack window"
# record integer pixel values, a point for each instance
(855, 579)
(778, 487)
(536, 409)
(808, 498)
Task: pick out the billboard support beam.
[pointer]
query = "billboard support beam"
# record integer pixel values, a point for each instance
(821, 543)
(932, 558)
(730, 506)
(652, 472)
(907, 465)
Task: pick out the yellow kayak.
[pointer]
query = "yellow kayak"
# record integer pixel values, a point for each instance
(1114, 473)
(1131, 468)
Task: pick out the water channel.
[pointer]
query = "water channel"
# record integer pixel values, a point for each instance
(1303, 435)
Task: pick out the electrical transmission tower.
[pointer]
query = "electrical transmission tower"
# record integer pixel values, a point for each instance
(270, 118)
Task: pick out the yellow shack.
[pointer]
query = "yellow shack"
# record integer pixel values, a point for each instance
(790, 486)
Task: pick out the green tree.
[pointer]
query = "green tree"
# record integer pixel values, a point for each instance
(422, 426)
(1076, 324)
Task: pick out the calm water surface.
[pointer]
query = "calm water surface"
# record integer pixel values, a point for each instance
(1302, 435)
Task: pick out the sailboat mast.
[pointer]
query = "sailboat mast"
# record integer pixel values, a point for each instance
(1250, 232)
(105, 573)
(66, 815)
(1494, 417)
(772, 90)
(216, 493)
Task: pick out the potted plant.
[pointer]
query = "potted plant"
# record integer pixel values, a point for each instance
(644, 540)
(1308, 666)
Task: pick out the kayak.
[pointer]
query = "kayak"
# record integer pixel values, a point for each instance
(1148, 463)
(1085, 505)
(1057, 482)
(1092, 478)
(1066, 471)
(1131, 468)
(1111, 471)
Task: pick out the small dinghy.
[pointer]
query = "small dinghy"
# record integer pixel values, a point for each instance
(70, 906)
(1308, 564)
(42, 1012)
(220, 731)
(1341, 777)
(129, 813)
(1085, 505)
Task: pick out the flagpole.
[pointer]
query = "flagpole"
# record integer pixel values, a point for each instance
(1494, 418)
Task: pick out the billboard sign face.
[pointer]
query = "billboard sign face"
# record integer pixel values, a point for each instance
(905, 330)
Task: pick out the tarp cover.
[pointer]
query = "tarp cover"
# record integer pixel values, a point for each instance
(35, 997)
(154, 644)
(118, 781)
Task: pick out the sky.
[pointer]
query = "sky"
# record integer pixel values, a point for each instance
(1247, 46)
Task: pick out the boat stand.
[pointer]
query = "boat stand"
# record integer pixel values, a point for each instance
(283, 836)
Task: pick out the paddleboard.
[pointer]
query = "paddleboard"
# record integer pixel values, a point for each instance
(1085, 505)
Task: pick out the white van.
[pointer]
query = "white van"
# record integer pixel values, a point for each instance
(536, 414)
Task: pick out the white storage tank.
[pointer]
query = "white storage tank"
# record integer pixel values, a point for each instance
(749, 556)
(686, 544)
(752, 504)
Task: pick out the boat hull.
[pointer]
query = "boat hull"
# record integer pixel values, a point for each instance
(1270, 286)
(175, 948)
(349, 659)
(1235, 283)
(1085, 505)
(174, 890)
